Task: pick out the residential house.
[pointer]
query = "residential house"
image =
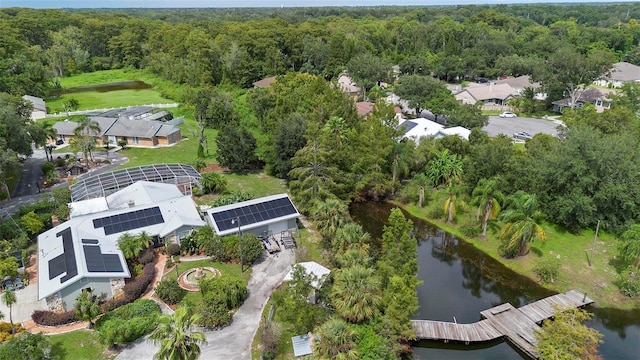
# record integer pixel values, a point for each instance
(414, 129)
(82, 254)
(347, 85)
(142, 133)
(263, 216)
(39, 107)
(265, 83)
(620, 73)
(597, 97)
(522, 82)
(364, 108)
(491, 95)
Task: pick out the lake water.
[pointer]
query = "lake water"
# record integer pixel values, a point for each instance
(460, 281)
(102, 88)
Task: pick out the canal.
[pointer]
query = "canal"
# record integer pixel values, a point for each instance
(459, 281)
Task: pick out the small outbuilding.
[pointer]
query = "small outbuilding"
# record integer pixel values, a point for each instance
(262, 216)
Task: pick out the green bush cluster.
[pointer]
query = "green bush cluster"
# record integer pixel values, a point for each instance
(170, 291)
(220, 295)
(629, 282)
(547, 269)
(128, 323)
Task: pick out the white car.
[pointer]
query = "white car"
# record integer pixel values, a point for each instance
(507, 114)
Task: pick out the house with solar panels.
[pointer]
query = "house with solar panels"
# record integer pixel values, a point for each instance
(83, 254)
(270, 218)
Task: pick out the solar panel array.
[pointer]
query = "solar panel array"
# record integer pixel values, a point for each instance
(128, 221)
(103, 184)
(254, 213)
(65, 262)
(99, 262)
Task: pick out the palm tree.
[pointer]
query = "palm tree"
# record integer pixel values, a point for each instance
(487, 197)
(422, 181)
(86, 307)
(176, 339)
(128, 245)
(40, 133)
(212, 182)
(521, 225)
(329, 216)
(629, 247)
(401, 158)
(9, 298)
(337, 127)
(350, 236)
(84, 136)
(453, 202)
(144, 241)
(356, 293)
(445, 168)
(336, 340)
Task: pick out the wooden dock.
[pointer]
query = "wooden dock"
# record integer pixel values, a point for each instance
(518, 325)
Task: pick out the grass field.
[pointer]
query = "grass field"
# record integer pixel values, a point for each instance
(596, 280)
(90, 100)
(79, 345)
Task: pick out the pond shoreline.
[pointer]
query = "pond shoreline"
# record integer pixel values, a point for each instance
(453, 229)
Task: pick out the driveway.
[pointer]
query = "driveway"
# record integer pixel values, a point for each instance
(27, 302)
(508, 126)
(233, 341)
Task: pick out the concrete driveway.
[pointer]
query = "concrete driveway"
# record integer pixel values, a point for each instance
(233, 341)
(27, 302)
(508, 126)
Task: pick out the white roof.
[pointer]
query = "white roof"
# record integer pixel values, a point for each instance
(311, 268)
(456, 130)
(417, 128)
(176, 212)
(89, 206)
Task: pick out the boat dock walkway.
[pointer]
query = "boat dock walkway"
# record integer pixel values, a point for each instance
(518, 325)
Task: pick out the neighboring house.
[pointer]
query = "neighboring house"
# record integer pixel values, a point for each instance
(597, 97)
(489, 94)
(262, 216)
(265, 83)
(347, 85)
(82, 254)
(416, 128)
(365, 107)
(142, 133)
(319, 273)
(620, 73)
(131, 113)
(39, 107)
(520, 83)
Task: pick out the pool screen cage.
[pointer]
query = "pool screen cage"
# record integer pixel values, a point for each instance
(93, 186)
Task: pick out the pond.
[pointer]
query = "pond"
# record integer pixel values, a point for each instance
(459, 281)
(102, 88)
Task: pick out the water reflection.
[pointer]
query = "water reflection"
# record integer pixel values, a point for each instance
(459, 281)
(101, 88)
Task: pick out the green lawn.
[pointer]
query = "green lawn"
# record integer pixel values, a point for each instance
(89, 100)
(79, 345)
(226, 269)
(596, 280)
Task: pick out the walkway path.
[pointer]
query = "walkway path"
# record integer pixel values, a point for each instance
(233, 341)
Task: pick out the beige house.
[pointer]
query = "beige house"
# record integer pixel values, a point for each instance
(491, 95)
(39, 107)
(347, 85)
(265, 83)
(142, 133)
(620, 73)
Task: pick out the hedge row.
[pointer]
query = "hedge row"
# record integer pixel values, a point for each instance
(133, 290)
(50, 318)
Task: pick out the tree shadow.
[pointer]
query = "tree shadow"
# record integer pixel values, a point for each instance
(57, 351)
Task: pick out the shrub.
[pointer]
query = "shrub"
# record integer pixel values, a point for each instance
(50, 318)
(5, 330)
(60, 162)
(140, 284)
(213, 314)
(173, 249)
(47, 168)
(189, 245)
(122, 144)
(170, 291)
(547, 269)
(128, 323)
(629, 282)
(225, 290)
(146, 256)
(471, 230)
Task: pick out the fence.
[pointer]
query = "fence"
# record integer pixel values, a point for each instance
(98, 111)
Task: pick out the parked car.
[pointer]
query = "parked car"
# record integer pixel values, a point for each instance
(8, 285)
(522, 135)
(507, 114)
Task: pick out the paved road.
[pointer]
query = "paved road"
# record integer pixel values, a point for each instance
(508, 126)
(234, 341)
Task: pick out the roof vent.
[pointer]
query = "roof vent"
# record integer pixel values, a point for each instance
(131, 203)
